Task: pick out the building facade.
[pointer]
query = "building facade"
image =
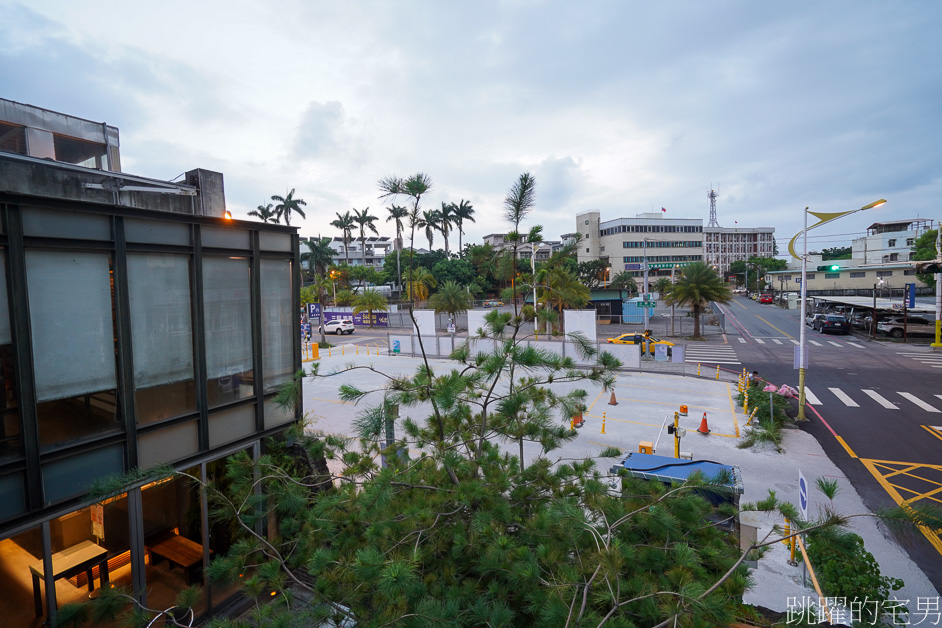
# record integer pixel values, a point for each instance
(888, 242)
(850, 280)
(138, 327)
(664, 243)
(725, 245)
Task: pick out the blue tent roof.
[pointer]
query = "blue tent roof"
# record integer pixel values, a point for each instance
(664, 469)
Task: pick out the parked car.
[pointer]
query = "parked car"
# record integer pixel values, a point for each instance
(638, 339)
(811, 318)
(766, 298)
(915, 326)
(832, 322)
(338, 326)
(493, 303)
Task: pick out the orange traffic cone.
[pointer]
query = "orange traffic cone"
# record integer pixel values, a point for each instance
(613, 401)
(704, 428)
(578, 421)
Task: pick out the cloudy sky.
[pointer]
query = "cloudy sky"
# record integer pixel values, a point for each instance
(619, 106)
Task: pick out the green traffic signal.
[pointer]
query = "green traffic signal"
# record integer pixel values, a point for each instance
(831, 267)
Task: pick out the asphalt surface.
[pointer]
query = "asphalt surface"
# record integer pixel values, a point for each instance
(875, 408)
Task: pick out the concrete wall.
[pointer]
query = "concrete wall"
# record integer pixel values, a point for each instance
(629, 355)
(475, 321)
(424, 323)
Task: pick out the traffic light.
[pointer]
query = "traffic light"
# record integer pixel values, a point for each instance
(829, 268)
(928, 268)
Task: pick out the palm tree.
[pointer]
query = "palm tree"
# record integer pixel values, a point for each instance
(563, 289)
(517, 205)
(365, 221)
(398, 213)
(696, 287)
(446, 217)
(288, 204)
(451, 298)
(430, 221)
(463, 211)
(419, 282)
(345, 223)
(415, 187)
(369, 301)
(624, 281)
(319, 255)
(662, 285)
(266, 213)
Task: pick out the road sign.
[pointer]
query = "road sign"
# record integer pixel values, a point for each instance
(803, 495)
(632, 266)
(395, 346)
(647, 304)
(313, 310)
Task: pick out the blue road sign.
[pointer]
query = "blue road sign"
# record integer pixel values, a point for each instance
(632, 266)
(313, 310)
(803, 495)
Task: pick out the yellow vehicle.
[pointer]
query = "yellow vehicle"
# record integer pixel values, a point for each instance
(638, 339)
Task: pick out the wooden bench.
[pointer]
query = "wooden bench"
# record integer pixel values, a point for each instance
(177, 550)
(79, 558)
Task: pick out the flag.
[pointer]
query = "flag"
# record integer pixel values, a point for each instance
(663, 210)
(736, 222)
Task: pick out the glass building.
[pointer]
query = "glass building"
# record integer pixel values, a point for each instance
(138, 326)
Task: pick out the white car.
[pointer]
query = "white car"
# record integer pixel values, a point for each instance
(338, 326)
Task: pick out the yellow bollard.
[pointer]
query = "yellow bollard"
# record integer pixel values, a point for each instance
(698, 369)
(358, 349)
(752, 416)
(717, 371)
(745, 403)
(603, 422)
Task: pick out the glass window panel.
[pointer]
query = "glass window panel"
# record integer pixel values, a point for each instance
(162, 335)
(274, 241)
(53, 223)
(70, 476)
(10, 442)
(228, 323)
(14, 496)
(275, 415)
(225, 237)
(70, 310)
(168, 445)
(277, 323)
(156, 232)
(16, 554)
(225, 427)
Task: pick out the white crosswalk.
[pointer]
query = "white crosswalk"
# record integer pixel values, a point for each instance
(710, 354)
(932, 360)
(890, 401)
(741, 340)
(777, 341)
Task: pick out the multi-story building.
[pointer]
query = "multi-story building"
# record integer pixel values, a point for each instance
(665, 243)
(377, 248)
(725, 245)
(139, 326)
(888, 242)
(525, 250)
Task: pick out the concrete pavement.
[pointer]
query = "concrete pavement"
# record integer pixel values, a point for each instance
(644, 401)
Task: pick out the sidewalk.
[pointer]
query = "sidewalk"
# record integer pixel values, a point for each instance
(644, 401)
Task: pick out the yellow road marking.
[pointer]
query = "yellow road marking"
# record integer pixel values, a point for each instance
(774, 327)
(732, 408)
(903, 471)
(871, 466)
(850, 452)
(592, 442)
(741, 305)
(932, 431)
(594, 402)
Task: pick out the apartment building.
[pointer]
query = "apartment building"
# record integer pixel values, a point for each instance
(725, 245)
(888, 242)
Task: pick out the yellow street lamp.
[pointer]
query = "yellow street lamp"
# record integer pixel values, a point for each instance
(823, 218)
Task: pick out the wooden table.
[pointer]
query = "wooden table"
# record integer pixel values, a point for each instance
(70, 562)
(177, 550)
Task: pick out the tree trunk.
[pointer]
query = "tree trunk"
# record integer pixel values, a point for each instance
(696, 320)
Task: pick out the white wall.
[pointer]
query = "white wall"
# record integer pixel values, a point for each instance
(581, 321)
(475, 321)
(424, 323)
(630, 355)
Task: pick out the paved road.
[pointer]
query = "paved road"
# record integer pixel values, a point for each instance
(876, 408)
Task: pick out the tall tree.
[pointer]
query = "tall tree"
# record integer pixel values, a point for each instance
(624, 281)
(695, 288)
(414, 188)
(463, 211)
(430, 222)
(446, 220)
(266, 213)
(369, 301)
(319, 255)
(365, 221)
(419, 282)
(517, 206)
(345, 223)
(398, 214)
(288, 204)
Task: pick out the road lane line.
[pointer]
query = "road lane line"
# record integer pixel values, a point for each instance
(742, 340)
(939, 396)
(919, 402)
(880, 399)
(816, 343)
(777, 341)
(855, 345)
(836, 344)
(840, 394)
(811, 398)
(759, 340)
(850, 452)
(933, 429)
(784, 333)
(794, 341)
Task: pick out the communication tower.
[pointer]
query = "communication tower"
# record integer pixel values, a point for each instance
(712, 196)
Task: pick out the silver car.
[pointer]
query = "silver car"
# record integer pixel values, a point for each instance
(916, 325)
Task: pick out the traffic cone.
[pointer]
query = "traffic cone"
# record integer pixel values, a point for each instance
(578, 421)
(613, 401)
(704, 428)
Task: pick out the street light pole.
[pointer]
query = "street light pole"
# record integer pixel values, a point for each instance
(824, 217)
(536, 323)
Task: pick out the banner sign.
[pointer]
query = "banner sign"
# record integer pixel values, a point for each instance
(380, 319)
